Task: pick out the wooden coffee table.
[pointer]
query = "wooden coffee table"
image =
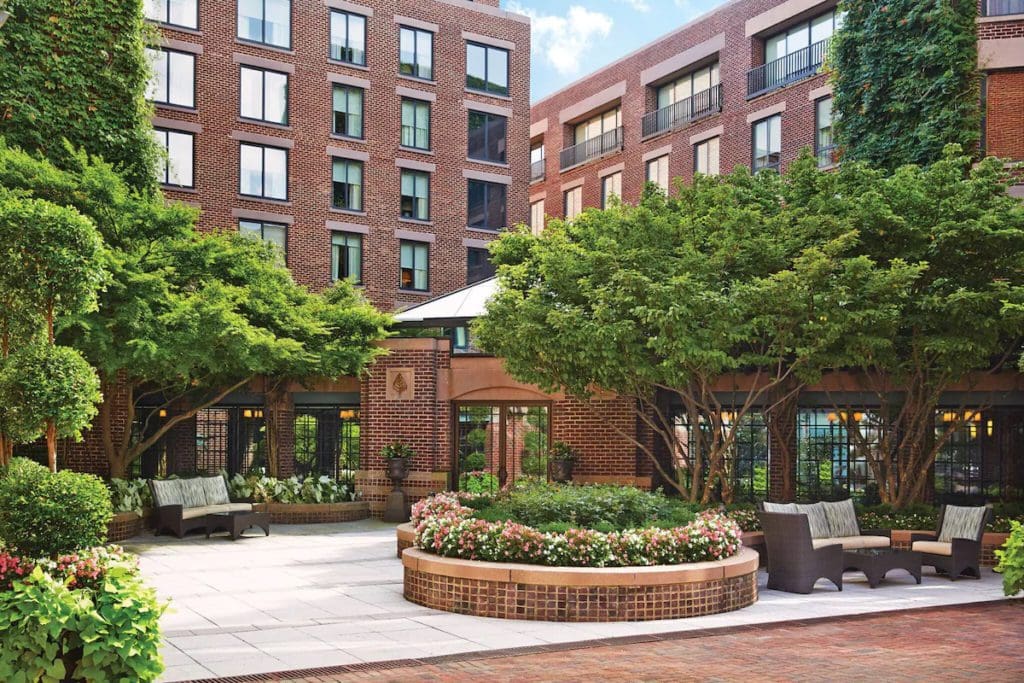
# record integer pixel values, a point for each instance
(235, 523)
(876, 562)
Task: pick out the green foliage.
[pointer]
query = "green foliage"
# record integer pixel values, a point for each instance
(478, 482)
(130, 495)
(562, 451)
(80, 75)
(905, 81)
(44, 514)
(314, 489)
(44, 383)
(474, 462)
(1011, 561)
(54, 632)
(396, 451)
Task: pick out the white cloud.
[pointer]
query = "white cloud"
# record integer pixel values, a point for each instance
(640, 5)
(562, 41)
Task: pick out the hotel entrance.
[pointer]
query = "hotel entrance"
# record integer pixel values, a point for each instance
(499, 443)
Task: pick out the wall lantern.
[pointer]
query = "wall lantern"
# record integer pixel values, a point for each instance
(163, 412)
(347, 414)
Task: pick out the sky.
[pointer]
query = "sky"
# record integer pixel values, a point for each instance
(571, 38)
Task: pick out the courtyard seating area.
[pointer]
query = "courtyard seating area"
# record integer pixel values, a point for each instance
(330, 595)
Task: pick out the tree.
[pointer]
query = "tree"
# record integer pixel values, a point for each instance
(79, 75)
(905, 80)
(700, 309)
(49, 266)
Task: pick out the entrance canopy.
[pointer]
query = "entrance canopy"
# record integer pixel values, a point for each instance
(451, 310)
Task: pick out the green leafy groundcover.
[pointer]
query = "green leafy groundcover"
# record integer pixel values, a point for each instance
(84, 616)
(479, 527)
(1011, 560)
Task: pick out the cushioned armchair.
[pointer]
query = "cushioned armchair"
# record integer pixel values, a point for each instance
(794, 563)
(955, 548)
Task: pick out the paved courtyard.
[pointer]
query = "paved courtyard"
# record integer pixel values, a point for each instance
(331, 595)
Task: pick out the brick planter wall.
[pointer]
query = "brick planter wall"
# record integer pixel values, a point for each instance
(123, 526)
(519, 591)
(990, 542)
(325, 513)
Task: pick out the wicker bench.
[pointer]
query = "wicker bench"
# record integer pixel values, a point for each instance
(181, 505)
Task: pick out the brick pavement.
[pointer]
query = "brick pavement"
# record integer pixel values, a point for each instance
(914, 645)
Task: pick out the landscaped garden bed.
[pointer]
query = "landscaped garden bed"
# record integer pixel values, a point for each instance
(576, 553)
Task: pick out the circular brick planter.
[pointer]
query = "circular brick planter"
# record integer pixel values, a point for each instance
(312, 513)
(124, 525)
(580, 594)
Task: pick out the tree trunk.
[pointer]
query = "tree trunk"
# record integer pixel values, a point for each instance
(273, 398)
(6, 450)
(51, 444)
(118, 468)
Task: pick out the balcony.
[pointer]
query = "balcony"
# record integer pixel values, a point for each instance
(537, 171)
(684, 111)
(795, 66)
(591, 149)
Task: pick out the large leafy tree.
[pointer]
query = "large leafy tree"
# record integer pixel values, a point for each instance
(724, 301)
(186, 319)
(905, 80)
(76, 71)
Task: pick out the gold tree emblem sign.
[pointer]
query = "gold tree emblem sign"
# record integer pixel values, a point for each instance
(400, 384)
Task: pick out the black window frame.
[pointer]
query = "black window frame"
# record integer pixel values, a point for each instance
(263, 100)
(818, 149)
(263, 171)
(484, 271)
(430, 123)
(362, 111)
(263, 228)
(487, 187)
(777, 166)
(167, 87)
(263, 19)
(415, 244)
(486, 134)
(348, 31)
(166, 161)
(411, 216)
(362, 184)
(416, 67)
(502, 92)
(166, 21)
(341, 262)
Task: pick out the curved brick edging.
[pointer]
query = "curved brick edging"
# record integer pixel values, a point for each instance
(580, 594)
(123, 526)
(312, 513)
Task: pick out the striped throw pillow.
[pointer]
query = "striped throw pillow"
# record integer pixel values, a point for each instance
(816, 519)
(842, 518)
(961, 522)
(787, 508)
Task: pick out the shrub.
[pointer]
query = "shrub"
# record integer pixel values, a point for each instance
(1011, 560)
(479, 482)
(130, 495)
(44, 514)
(474, 462)
(312, 489)
(622, 507)
(90, 618)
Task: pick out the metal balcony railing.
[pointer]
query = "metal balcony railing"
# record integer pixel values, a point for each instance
(537, 170)
(692, 108)
(591, 149)
(795, 66)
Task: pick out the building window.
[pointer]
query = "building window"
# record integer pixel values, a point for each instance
(348, 111)
(263, 171)
(348, 38)
(487, 137)
(832, 458)
(347, 185)
(347, 257)
(487, 204)
(800, 50)
(611, 186)
(271, 233)
(996, 8)
(537, 217)
(415, 124)
(176, 170)
(599, 125)
(264, 95)
(265, 21)
(415, 195)
(657, 172)
(478, 265)
(689, 86)
(705, 156)
(184, 13)
(173, 80)
(768, 143)
(416, 53)
(824, 143)
(487, 69)
(573, 203)
(537, 162)
(415, 266)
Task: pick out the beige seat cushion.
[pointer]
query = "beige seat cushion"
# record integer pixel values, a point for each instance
(933, 547)
(852, 542)
(191, 513)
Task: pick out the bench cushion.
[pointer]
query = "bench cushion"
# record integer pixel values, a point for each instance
(166, 492)
(192, 513)
(842, 518)
(816, 519)
(852, 542)
(961, 522)
(933, 547)
(216, 490)
(192, 492)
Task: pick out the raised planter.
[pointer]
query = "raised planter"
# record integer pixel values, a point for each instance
(314, 513)
(124, 525)
(990, 542)
(580, 594)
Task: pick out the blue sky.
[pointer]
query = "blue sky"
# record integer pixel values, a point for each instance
(571, 38)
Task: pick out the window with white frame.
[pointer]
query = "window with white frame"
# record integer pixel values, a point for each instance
(573, 200)
(705, 156)
(263, 171)
(178, 164)
(173, 80)
(657, 172)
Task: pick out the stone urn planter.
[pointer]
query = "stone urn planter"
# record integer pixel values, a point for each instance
(398, 456)
(398, 470)
(562, 459)
(561, 470)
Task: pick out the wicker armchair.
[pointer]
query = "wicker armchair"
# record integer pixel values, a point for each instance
(794, 565)
(948, 552)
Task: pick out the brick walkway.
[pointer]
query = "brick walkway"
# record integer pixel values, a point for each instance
(981, 642)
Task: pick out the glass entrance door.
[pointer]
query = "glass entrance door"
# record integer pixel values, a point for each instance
(499, 443)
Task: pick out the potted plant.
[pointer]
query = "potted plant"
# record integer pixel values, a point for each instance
(561, 458)
(398, 456)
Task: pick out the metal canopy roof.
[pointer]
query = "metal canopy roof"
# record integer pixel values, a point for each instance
(450, 310)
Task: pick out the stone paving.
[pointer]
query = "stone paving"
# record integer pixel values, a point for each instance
(329, 595)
